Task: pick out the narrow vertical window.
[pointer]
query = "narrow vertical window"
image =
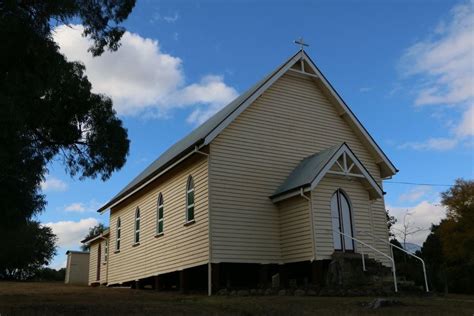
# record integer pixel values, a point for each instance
(99, 256)
(159, 215)
(106, 250)
(190, 200)
(117, 242)
(137, 226)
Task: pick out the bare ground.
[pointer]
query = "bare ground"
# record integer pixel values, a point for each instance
(31, 298)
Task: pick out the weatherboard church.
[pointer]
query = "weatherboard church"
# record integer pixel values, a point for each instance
(278, 182)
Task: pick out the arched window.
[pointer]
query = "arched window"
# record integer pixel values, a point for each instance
(137, 226)
(117, 239)
(159, 215)
(190, 200)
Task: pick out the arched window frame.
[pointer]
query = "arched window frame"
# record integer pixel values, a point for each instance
(190, 200)
(118, 233)
(160, 216)
(136, 235)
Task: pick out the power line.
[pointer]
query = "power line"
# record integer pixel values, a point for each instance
(414, 183)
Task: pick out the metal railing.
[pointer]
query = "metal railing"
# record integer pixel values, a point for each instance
(408, 253)
(376, 250)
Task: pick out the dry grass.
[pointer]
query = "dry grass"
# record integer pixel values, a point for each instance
(60, 299)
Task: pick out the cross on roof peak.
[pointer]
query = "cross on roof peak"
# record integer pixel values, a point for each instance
(300, 42)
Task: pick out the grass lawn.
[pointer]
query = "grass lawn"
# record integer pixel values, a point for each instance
(58, 299)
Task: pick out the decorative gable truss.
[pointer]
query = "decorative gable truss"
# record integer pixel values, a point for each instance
(301, 64)
(338, 161)
(345, 165)
(349, 166)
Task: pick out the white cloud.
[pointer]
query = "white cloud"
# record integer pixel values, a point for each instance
(421, 217)
(141, 79)
(157, 17)
(71, 233)
(415, 194)
(466, 126)
(51, 184)
(446, 58)
(78, 207)
(443, 64)
(58, 264)
(75, 207)
(171, 18)
(439, 144)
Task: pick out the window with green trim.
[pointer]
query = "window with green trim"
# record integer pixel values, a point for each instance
(159, 215)
(137, 225)
(190, 200)
(118, 232)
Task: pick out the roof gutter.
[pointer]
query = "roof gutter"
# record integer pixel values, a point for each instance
(291, 193)
(88, 242)
(112, 203)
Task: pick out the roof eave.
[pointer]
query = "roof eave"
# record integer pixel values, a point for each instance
(357, 122)
(90, 240)
(374, 186)
(281, 196)
(151, 177)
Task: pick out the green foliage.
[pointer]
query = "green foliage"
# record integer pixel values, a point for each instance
(449, 249)
(48, 274)
(47, 111)
(433, 255)
(457, 231)
(47, 108)
(25, 249)
(93, 231)
(391, 220)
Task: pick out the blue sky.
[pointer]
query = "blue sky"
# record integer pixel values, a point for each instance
(404, 67)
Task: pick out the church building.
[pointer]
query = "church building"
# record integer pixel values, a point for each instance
(276, 183)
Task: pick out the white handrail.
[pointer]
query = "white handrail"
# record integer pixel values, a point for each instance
(400, 248)
(378, 251)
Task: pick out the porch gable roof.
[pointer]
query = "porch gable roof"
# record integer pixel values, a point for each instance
(312, 169)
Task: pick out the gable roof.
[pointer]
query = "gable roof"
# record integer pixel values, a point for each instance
(312, 169)
(205, 133)
(91, 239)
(306, 171)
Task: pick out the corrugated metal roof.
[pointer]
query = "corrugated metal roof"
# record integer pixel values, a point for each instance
(199, 135)
(194, 138)
(307, 170)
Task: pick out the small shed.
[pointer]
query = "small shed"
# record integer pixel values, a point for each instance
(77, 267)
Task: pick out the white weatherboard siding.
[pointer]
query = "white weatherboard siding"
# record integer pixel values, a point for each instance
(295, 230)
(94, 249)
(180, 246)
(253, 156)
(380, 229)
(77, 268)
(93, 263)
(103, 264)
(366, 215)
(68, 270)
